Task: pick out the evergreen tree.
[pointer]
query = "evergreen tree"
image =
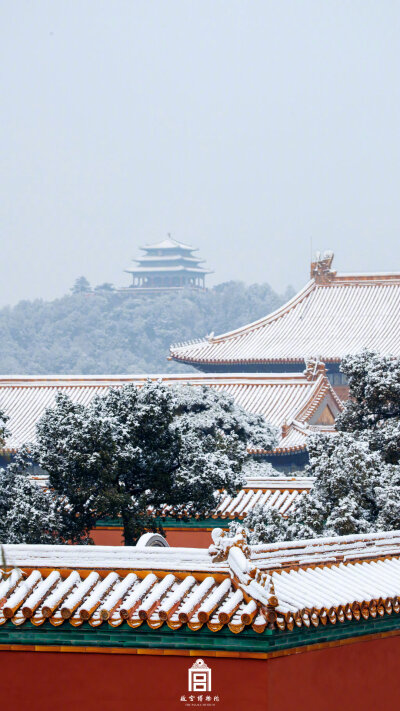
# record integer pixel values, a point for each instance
(357, 471)
(137, 448)
(373, 409)
(3, 428)
(106, 286)
(262, 525)
(118, 332)
(27, 513)
(81, 286)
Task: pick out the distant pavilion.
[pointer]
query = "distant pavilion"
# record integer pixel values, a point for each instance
(168, 265)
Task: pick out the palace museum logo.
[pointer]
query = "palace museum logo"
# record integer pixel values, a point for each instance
(199, 686)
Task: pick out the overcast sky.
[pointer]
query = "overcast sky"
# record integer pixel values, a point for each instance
(248, 129)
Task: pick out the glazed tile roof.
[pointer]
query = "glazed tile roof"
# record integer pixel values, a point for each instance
(174, 268)
(279, 493)
(293, 399)
(332, 316)
(169, 243)
(283, 585)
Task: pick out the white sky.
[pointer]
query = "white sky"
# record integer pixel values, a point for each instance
(245, 128)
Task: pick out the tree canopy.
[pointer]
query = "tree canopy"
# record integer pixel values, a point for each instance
(106, 331)
(357, 471)
(130, 452)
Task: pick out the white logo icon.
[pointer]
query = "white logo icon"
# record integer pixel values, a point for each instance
(199, 676)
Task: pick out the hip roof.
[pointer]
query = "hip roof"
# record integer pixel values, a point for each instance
(290, 401)
(332, 316)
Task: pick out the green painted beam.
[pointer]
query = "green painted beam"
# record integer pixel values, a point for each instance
(184, 638)
(170, 522)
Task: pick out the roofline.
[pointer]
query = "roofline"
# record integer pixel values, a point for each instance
(130, 377)
(317, 389)
(238, 361)
(362, 279)
(177, 245)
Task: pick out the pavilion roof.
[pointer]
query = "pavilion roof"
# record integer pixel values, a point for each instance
(182, 258)
(169, 244)
(332, 316)
(231, 585)
(150, 269)
(291, 401)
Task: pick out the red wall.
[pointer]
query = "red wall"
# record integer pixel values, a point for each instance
(357, 677)
(181, 538)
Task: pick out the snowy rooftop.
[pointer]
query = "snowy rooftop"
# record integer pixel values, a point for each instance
(332, 316)
(174, 268)
(279, 493)
(294, 402)
(170, 244)
(303, 583)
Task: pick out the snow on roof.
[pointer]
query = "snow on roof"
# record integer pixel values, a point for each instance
(182, 258)
(302, 583)
(169, 243)
(279, 493)
(291, 400)
(174, 268)
(332, 316)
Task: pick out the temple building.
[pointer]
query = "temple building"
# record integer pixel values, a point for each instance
(168, 265)
(332, 316)
(312, 625)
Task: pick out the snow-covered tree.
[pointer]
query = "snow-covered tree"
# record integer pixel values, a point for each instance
(357, 471)
(374, 405)
(262, 524)
(255, 469)
(136, 448)
(81, 286)
(3, 428)
(27, 513)
(342, 500)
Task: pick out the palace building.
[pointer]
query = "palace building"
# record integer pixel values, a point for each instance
(236, 626)
(332, 316)
(278, 493)
(296, 403)
(167, 265)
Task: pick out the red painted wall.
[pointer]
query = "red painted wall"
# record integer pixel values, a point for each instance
(182, 538)
(42, 681)
(359, 677)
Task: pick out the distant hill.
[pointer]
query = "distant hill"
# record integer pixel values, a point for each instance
(105, 331)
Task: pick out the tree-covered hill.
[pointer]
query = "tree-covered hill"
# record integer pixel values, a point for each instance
(106, 331)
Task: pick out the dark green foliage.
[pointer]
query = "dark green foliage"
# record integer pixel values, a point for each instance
(106, 331)
(357, 471)
(136, 448)
(81, 286)
(28, 514)
(373, 410)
